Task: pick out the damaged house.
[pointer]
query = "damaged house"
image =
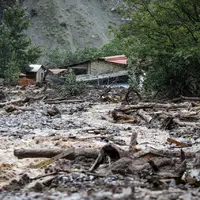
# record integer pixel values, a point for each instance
(104, 70)
(56, 76)
(33, 75)
(36, 72)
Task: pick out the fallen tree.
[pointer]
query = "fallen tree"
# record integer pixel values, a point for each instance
(21, 101)
(49, 153)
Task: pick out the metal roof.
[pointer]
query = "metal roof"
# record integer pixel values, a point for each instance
(119, 59)
(34, 67)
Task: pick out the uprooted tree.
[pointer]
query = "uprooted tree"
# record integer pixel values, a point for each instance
(161, 38)
(16, 49)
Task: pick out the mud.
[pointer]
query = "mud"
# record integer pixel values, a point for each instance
(35, 129)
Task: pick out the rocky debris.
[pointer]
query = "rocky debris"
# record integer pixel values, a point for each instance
(135, 160)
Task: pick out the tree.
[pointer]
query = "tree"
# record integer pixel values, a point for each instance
(162, 38)
(58, 58)
(16, 50)
(63, 58)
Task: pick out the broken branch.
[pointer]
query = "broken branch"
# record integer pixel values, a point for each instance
(144, 115)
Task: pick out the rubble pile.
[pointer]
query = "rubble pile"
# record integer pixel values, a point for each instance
(96, 146)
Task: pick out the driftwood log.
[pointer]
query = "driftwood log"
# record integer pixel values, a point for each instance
(154, 105)
(49, 153)
(21, 101)
(144, 115)
(11, 108)
(183, 98)
(93, 153)
(64, 101)
(56, 99)
(181, 123)
(15, 102)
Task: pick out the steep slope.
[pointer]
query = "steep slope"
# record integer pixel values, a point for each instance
(69, 24)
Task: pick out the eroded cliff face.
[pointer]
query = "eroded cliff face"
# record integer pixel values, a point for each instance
(69, 24)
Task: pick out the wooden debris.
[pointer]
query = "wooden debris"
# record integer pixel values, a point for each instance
(53, 159)
(133, 143)
(127, 95)
(21, 101)
(64, 101)
(167, 123)
(165, 153)
(173, 141)
(110, 150)
(53, 111)
(153, 165)
(15, 102)
(11, 108)
(123, 118)
(167, 114)
(183, 98)
(144, 115)
(49, 153)
(143, 105)
(180, 123)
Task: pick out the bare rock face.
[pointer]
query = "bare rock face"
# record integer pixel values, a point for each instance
(69, 24)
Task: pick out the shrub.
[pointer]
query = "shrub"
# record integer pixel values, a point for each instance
(71, 87)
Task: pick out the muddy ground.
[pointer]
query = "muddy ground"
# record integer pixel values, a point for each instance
(75, 126)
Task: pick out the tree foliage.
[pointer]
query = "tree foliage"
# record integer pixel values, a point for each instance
(16, 51)
(58, 58)
(63, 58)
(71, 87)
(162, 38)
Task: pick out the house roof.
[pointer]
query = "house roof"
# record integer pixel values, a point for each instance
(119, 59)
(57, 71)
(34, 67)
(22, 74)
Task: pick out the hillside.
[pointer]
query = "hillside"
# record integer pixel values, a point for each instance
(69, 24)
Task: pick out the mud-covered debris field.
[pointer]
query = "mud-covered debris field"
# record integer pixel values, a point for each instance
(103, 144)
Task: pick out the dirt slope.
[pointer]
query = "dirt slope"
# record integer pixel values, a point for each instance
(71, 23)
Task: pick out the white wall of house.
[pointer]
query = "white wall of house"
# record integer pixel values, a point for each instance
(40, 75)
(102, 67)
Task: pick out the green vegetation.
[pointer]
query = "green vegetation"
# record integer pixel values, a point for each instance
(71, 87)
(58, 58)
(161, 38)
(16, 50)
